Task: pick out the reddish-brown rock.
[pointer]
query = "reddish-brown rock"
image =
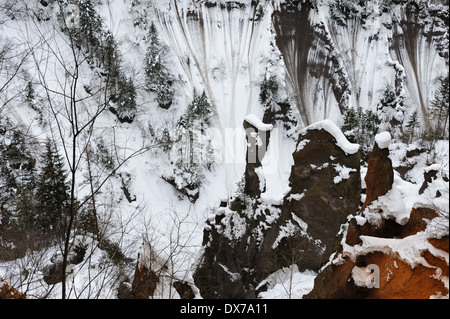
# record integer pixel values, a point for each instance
(380, 174)
(397, 279)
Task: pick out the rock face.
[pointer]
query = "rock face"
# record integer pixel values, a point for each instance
(144, 282)
(53, 272)
(325, 188)
(397, 277)
(258, 135)
(389, 256)
(380, 174)
(249, 239)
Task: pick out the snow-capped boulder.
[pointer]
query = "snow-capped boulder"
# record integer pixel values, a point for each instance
(407, 261)
(326, 173)
(258, 135)
(249, 239)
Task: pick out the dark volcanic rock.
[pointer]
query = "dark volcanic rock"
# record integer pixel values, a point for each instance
(257, 143)
(250, 239)
(325, 188)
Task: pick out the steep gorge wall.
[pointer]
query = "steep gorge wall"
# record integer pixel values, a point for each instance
(342, 54)
(327, 55)
(225, 48)
(248, 238)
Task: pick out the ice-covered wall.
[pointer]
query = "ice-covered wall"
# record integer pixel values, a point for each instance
(331, 55)
(225, 48)
(341, 54)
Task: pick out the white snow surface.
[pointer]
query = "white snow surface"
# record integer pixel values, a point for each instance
(333, 129)
(383, 139)
(209, 53)
(256, 122)
(288, 283)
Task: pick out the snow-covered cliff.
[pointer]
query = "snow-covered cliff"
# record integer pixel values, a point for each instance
(313, 60)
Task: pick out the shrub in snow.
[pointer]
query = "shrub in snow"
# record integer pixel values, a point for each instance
(125, 98)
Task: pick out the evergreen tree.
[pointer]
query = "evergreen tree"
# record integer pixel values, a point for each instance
(268, 90)
(411, 126)
(361, 126)
(25, 204)
(109, 58)
(157, 75)
(391, 110)
(350, 120)
(154, 69)
(17, 177)
(164, 95)
(440, 108)
(89, 32)
(194, 123)
(370, 124)
(52, 191)
(29, 93)
(192, 151)
(165, 139)
(199, 110)
(125, 99)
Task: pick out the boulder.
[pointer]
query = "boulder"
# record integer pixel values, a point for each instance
(325, 188)
(399, 276)
(249, 239)
(257, 135)
(380, 173)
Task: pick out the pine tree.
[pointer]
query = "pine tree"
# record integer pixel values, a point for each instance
(29, 93)
(164, 95)
(90, 29)
(154, 68)
(411, 126)
(126, 99)
(165, 139)
(350, 120)
(361, 126)
(17, 177)
(370, 124)
(391, 110)
(268, 90)
(109, 58)
(199, 110)
(52, 191)
(440, 108)
(192, 151)
(157, 75)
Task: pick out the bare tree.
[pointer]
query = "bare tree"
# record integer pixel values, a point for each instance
(74, 113)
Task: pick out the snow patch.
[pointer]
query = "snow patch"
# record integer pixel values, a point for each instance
(408, 249)
(341, 140)
(364, 277)
(256, 122)
(343, 172)
(383, 139)
(390, 205)
(288, 282)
